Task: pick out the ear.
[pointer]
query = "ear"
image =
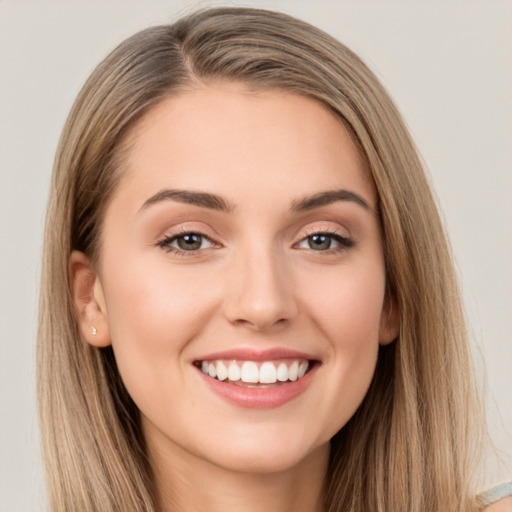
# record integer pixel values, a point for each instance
(389, 321)
(89, 301)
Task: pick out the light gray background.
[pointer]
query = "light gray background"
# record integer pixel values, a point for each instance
(448, 64)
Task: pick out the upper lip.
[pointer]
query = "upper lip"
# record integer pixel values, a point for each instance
(251, 354)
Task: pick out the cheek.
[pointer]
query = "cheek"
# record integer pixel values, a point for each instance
(153, 314)
(347, 305)
(347, 310)
(150, 303)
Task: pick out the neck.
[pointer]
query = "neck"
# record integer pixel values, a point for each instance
(183, 486)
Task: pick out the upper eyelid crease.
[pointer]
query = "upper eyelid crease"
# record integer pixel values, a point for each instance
(181, 233)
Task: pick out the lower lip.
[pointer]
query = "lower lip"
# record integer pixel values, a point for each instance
(259, 398)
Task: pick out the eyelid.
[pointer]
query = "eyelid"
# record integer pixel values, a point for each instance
(190, 227)
(323, 228)
(344, 240)
(165, 240)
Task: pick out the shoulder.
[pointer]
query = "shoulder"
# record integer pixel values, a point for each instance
(497, 499)
(504, 505)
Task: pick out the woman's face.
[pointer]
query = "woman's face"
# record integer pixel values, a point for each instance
(240, 250)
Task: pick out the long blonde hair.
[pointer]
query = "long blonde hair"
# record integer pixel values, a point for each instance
(412, 444)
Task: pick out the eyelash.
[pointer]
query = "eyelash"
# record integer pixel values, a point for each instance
(166, 242)
(343, 242)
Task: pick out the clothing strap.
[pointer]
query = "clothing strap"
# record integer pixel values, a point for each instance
(495, 494)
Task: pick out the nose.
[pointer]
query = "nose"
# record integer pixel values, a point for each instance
(260, 292)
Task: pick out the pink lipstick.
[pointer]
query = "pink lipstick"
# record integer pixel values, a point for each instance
(257, 379)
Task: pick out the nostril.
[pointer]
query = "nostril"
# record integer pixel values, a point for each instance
(261, 323)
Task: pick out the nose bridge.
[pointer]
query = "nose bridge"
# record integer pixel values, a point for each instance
(260, 292)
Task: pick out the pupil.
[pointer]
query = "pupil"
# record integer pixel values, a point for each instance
(189, 242)
(319, 242)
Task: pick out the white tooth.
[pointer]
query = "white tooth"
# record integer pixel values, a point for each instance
(222, 371)
(249, 372)
(233, 372)
(268, 373)
(282, 372)
(293, 371)
(303, 368)
(204, 366)
(211, 370)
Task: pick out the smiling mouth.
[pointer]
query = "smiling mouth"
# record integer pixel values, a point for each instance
(256, 374)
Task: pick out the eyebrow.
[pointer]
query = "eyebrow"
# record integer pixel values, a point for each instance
(328, 197)
(215, 202)
(201, 199)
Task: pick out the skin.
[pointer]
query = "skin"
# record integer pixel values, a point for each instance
(256, 282)
(504, 505)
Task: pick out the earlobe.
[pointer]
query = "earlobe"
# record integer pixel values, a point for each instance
(389, 322)
(89, 301)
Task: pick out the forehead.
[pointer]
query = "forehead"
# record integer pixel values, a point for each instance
(228, 140)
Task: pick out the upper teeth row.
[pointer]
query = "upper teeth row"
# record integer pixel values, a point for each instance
(249, 372)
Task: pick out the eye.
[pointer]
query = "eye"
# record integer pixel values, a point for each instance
(325, 242)
(186, 242)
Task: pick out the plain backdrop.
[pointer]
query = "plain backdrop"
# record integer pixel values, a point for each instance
(447, 64)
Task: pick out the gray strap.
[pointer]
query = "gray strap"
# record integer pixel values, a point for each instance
(495, 494)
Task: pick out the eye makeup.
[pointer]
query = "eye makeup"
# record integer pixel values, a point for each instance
(186, 241)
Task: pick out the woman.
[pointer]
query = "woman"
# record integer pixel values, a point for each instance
(248, 301)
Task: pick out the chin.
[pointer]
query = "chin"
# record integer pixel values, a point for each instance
(267, 454)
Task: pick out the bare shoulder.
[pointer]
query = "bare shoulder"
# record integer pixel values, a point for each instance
(504, 505)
